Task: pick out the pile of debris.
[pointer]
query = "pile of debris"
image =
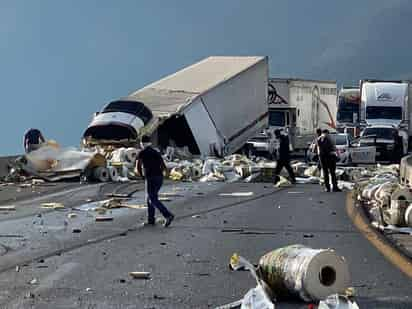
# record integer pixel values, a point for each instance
(386, 198)
(52, 163)
(232, 168)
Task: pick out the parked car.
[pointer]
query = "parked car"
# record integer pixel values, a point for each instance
(342, 142)
(263, 145)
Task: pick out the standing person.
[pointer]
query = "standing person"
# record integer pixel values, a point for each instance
(315, 149)
(33, 139)
(327, 158)
(398, 147)
(284, 156)
(153, 166)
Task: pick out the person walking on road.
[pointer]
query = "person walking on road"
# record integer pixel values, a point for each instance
(153, 168)
(33, 139)
(328, 158)
(284, 156)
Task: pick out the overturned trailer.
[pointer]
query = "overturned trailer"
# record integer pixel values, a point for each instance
(212, 107)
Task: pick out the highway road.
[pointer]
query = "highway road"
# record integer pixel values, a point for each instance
(46, 265)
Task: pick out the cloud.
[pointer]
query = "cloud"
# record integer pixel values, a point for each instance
(376, 47)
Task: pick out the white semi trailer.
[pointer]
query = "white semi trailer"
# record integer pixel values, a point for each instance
(213, 107)
(300, 106)
(387, 103)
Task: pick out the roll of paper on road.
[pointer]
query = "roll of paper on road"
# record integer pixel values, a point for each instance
(298, 271)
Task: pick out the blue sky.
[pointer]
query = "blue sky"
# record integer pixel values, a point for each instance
(63, 60)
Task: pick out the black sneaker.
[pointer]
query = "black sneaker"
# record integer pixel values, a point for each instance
(337, 190)
(168, 221)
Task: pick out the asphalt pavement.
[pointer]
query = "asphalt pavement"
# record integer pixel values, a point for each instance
(188, 262)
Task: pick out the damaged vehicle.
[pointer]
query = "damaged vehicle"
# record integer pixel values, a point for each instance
(118, 123)
(211, 107)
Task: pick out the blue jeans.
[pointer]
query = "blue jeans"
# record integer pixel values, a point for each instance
(153, 185)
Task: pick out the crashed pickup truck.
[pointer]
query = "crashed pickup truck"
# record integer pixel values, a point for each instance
(212, 107)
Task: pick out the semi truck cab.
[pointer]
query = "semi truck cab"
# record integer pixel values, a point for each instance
(283, 118)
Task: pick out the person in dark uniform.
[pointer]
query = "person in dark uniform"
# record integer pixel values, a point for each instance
(284, 156)
(33, 139)
(398, 147)
(328, 158)
(153, 168)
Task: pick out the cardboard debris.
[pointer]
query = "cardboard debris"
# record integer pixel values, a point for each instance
(165, 199)
(139, 275)
(52, 205)
(283, 182)
(104, 219)
(237, 194)
(7, 208)
(140, 206)
(337, 302)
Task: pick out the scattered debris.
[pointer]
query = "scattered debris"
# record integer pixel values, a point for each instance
(165, 199)
(231, 230)
(33, 281)
(140, 275)
(71, 215)
(337, 302)
(76, 230)
(202, 274)
(103, 219)
(52, 205)
(7, 208)
(237, 194)
(283, 182)
(308, 235)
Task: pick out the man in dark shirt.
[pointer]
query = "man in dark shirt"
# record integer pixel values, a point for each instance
(328, 158)
(398, 148)
(32, 140)
(153, 166)
(284, 156)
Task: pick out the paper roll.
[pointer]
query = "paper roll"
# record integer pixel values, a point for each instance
(383, 193)
(196, 172)
(408, 216)
(369, 191)
(396, 214)
(307, 273)
(113, 174)
(131, 155)
(101, 174)
(402, 193)
(119, 155)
